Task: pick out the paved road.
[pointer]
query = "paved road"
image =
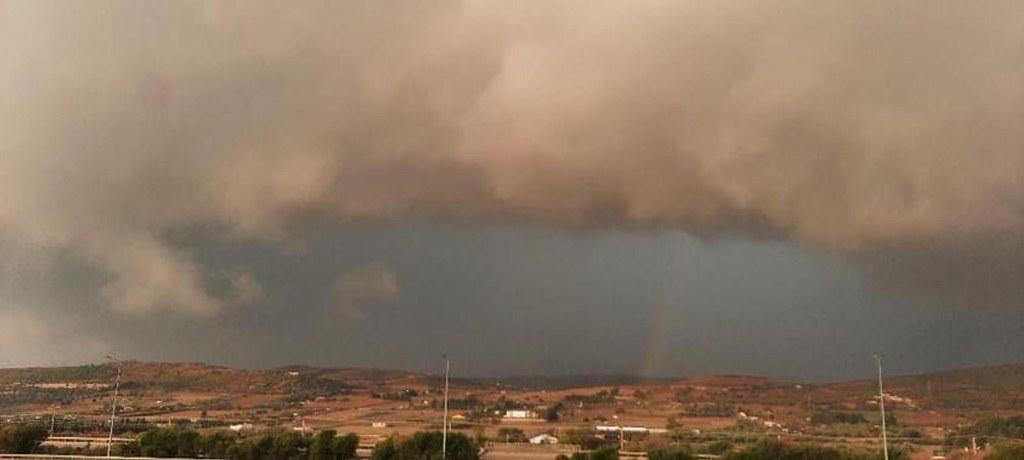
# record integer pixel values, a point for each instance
(503, 454)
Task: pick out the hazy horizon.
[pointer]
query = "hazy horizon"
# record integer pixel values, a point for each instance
(578, 379)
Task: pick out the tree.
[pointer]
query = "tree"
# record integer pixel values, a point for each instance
(216, 445)
(832, 418)
(189, 444)
(178, 441)
(551, 414)
(345, 446)
(289, 446)
(719, 447)
(671, 453)
(511, 435)
(1009, 427)
(174, 441)
(251, 449)
(22, 439)
(256, 448)
(774, 450)
(604, 453)
(1007, 452)
(426, 445)
(322, 446)
(386, 450)
(583, 438)
(760, 451)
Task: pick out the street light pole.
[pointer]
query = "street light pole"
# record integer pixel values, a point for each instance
(881, 406)
(113, 407)
(444, 429)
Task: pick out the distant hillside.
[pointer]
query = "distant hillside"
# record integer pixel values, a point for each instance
(560, 382)
(978, 388)
(732, 381)
(171, 376)
(33, 375)
(206, 377)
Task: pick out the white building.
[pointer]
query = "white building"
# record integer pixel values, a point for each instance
(543, 438)
(629, 429)
(520, 414)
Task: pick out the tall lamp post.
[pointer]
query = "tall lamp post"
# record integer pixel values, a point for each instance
(113, 406)
(881, 407)
(444, 425)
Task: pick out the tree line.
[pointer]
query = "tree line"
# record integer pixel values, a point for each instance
(765, 450)
(22, 439)
(325, 445)
(183, 442)
(426, 445)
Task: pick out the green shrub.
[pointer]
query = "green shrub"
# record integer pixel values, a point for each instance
(426, 445)
(21, 439)
(671, 453)
(1007, 452)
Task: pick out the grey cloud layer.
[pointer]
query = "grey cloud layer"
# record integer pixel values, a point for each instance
(374, 282)
(844, 126)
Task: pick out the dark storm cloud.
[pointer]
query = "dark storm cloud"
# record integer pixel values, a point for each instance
(515, 300)
(980, 272)
(372, 283)
(849, 127)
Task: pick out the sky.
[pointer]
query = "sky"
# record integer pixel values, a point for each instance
(657, 188)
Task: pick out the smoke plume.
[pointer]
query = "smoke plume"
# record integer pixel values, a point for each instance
(887, 133)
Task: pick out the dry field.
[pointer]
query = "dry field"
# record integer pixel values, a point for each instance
(376, 404)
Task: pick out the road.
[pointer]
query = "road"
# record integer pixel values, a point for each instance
(502, 454)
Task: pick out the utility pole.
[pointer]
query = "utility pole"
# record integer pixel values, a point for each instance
(810, 410)
(113, 407)
(444, 429)
(881, 407)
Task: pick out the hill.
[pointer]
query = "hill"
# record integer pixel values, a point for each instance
(194, 390)
(985, 388)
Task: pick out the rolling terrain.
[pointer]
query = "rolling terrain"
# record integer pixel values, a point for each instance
(927, 408)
